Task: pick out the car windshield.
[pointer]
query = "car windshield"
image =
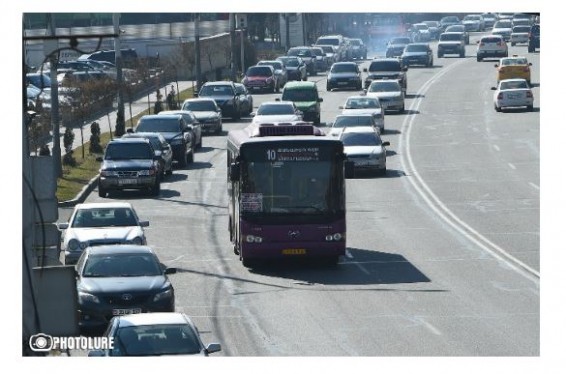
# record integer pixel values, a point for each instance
(355, 42)
(154, 140)
(377, 86)
(514, 61)
(300, 52)
(200, 106)
(400, 41)
(360, 139)
(511, 85)
(159, 125)
(352, 121)
(524, 29)
(276, 64)
(416, 48)
(457, 28)
(446, 37)
(216, 90)
(327, 49)
(291, 62)
(421, 26)
(362, 103)
(502, 25)
(259, 71)
(299, 95)
(450, 19)
(109, 265)
(344, 68)
(329, 41)
(385, 66)
(275, 109)
(104, 217)
(128, 151)
(472, 18)
(156, 340)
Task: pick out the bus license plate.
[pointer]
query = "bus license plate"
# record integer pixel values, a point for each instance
(294, 251)
(123, 312)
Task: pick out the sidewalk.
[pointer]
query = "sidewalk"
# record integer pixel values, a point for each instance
(137, 107)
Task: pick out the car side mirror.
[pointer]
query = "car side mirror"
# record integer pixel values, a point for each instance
(195, 94)
(277, 99)
(63, 225)
(130, 131)
(386, 144)
(493, 88)
(213, 347)
(252, 114)
(496, 65)
(99, 159)
(319, 99)
(170, 270)
(341, 107)
(144, 223)
(365, 70)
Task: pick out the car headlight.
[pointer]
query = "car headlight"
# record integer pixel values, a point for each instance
(85, 297)
(167, 294)
(146, 173)
(75, 245)
(108, 173)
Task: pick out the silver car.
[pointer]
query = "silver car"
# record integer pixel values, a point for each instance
(94, 224)
(389, 93)
(363, 146)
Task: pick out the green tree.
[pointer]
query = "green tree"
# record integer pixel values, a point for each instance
(95, 146)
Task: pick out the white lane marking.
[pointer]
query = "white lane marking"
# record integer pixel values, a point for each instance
(358, 264)
(534, 186)
(496, 147)
(434, 202)
(512, 166)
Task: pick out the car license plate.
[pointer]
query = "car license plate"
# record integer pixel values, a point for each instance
(342, 83)
(513, 96)
(127, 181)
(256, 87)
(294, 251)
(361, 163)
(122, 312)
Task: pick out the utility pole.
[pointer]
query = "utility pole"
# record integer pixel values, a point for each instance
(232, 24)
(242, 25)
(120, 120)
(287, 40)
(197, 51)
(53, 59)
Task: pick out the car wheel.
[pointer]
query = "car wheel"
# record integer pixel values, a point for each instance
(479, 59)
(190, 158)
(183, 159)
(497, 109)
(156, 189)
(402, 110)
(439, 55)
(531, 49)
(462, 54)
(317, 119)
(512, 44)
(170, 171)
(236, 116)
(530, 108)
(328, 88)
(101, 191)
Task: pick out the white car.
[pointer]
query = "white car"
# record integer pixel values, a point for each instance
(490, 46)
(344, 121)
(363, 146)
(389, 92)
(511, 93)
(503, 28)
(474, 22)
(520, 34)
(276, 111)
(94, 224)
(363, 104)
(207, 112)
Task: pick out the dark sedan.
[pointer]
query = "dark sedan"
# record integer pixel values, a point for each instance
(417, 54)
(344, 75)
(115, 280)
(161, 148)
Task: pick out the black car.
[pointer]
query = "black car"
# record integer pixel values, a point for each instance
(225, 95)
(175, 130)
(396, 45)
(417, 54)
(115, 280)
(344, 75)
(161, 148)
(307, 55)
(129, 164)
(534, 38)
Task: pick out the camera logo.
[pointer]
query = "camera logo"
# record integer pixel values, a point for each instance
(41, 342)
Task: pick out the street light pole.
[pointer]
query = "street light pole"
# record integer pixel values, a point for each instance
(120, 120)
(56, 151)
(197, 52)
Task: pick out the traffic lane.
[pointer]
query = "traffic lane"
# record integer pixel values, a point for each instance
(481, 164)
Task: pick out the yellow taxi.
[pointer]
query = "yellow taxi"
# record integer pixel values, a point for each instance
(514, 67)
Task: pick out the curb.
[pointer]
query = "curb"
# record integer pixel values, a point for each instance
(81, 196)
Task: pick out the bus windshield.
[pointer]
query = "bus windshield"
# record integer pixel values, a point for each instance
(286, 187)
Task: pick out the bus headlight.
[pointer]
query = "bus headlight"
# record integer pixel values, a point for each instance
(254, 239)
(334, 237)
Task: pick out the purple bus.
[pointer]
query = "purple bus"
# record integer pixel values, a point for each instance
(286, 185)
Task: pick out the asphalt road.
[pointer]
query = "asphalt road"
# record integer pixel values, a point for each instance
(443, 252)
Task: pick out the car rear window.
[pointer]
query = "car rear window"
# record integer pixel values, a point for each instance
(385, 66)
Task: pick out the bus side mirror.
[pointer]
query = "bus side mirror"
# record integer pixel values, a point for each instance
(234, 172)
